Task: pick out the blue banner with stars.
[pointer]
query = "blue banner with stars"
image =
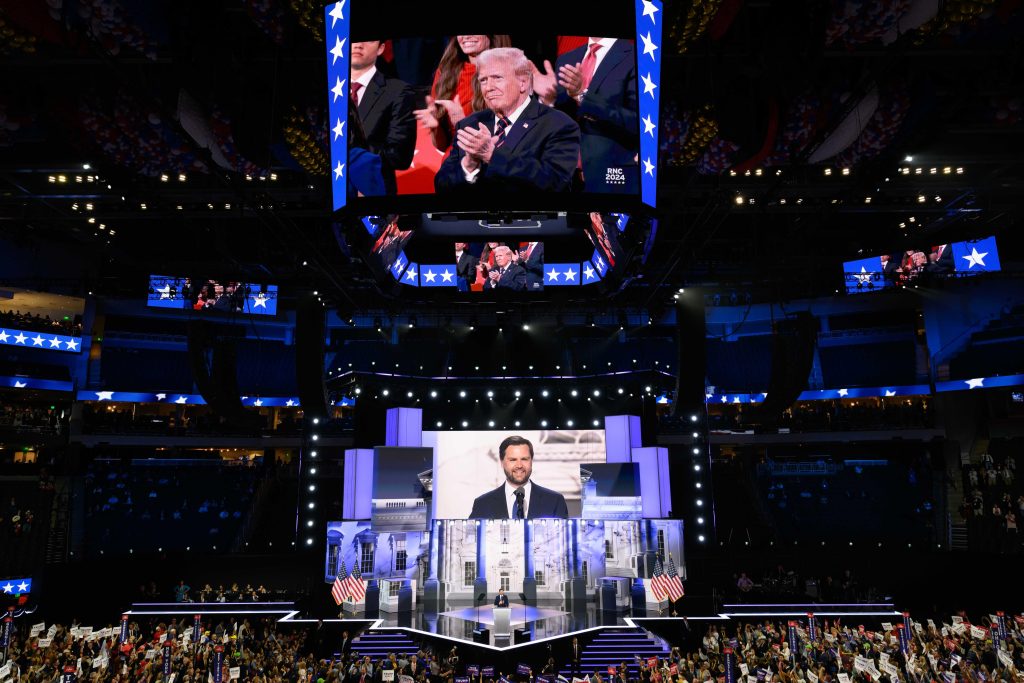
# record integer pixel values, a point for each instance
(336, 25)
(16, 586)
(411, 275)
(649, 17)
(195, 399)
(38, 340)
(562, 274)
(33, 383)
(600, 265)
(435, 275)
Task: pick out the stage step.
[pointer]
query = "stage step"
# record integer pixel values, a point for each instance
(383, 643)
(611, 648)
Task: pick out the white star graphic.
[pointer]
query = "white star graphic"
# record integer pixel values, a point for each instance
(4, 336)
(20, 339)
(22, 587)
(600, 264)
(258, 402)
(649, 46)
(289, 403)
(649, 10)
(588, 272)
(764, 395)
(725, 399)
(339, 129)
(339, 88)
(570, 275)
(863, 276)
(259, 301)
(54, 343)
(339, 170)
(181, 400)
(71, 344)
(337, 50)
(736, 400)
(165, 291)
(648, 125)
(161, 397)
(552, 275)
(844, 392)
(975, 259)
(104, 395)
(9, 588)
(648, 167)
(37, 340)
(977, 382)
(411, 274)
(890, 393)
(649, 85)
(337, 12)
(19, 385)
(430, 276)
(446, 275)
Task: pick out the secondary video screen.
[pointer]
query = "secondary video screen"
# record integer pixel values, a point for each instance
(400, 484)
(921, 265)
(477, 473)
(487, 266)
(203, 295)
(492, 113)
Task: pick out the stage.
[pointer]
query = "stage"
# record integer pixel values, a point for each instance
(464, 623)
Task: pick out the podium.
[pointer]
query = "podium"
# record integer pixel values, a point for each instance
(502, 621)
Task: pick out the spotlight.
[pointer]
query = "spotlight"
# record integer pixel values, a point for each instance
(701, 538)
(433, 394)
(438, 423)
(465, 424)
(700, 502)
(490, 394)
(490, 423)
(517, 423)
(596, 423)
(543, 423)
(573, 392)
(544, 393)
(518, 393)
(462, 394)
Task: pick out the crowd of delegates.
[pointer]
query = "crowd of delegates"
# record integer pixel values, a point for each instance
(994, 504)
(14, 319)
(262, 651)
(35, 417)
(137, 507)
(840, 415)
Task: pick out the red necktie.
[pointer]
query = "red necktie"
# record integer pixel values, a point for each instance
(353, 92)
(529, 250)
(589, 64)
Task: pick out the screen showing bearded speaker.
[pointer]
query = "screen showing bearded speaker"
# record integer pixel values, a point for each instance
(511, 474)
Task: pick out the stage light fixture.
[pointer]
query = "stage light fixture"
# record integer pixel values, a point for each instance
(490, 423)
(518, 393)
(701, 538)
(696, 451)
(385, 392)
(573, 393)
(438, 423)
(700, 520)
(700, 503)
(462, 394)
(312, 487)
(621, 390)
(543, 423)
(698, 484)
(569, 423)
(696, 468)
(465, 424)
(309, 522)
(312, 471)
(517, 423)
(597, 392)
(597, 423)
(544, 393)
(312, 454)
(696, 435)
(490, 394)
(693, 418)
(312, 505)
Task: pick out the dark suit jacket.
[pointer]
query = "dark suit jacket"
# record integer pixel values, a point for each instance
(513, 278)
(501, 601)
(539, 153)
(465, 269)
(534, 267)
(608, 119)
(945, 264)
(386, 115)
(543, 503)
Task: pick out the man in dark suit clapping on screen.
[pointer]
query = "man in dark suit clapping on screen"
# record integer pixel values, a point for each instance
(515, 144)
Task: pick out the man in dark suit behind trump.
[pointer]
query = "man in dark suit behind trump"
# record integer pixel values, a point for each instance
(516, 143)
(518, 497)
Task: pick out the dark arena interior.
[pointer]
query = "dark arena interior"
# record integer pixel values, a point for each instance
(673, 341)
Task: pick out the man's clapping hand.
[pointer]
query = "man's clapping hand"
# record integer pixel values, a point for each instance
(478, 144)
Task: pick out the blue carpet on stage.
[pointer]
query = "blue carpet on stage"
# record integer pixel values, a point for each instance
(521, 614)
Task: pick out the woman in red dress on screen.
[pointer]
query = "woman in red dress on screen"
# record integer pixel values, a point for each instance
(456, 92)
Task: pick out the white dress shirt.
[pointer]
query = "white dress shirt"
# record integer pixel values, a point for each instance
(364, 80)
(510, 499)
(471, 175)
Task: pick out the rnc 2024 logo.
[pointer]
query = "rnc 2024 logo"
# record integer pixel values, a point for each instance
(615, 176)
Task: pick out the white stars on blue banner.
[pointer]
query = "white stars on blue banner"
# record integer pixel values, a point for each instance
(435, 275)
(38, 340)
(562, 274)
(16, 586)
(648, 37)
(336, 25)
(33, 383)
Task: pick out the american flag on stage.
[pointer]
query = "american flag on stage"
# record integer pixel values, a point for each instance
(659, 582)
(354, 585)
(339, 589)
(675, 584)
